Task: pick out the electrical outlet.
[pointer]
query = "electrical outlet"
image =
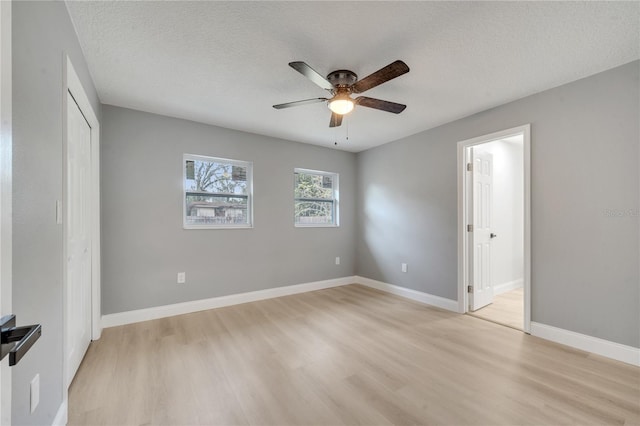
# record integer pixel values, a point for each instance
(35, 392)
(404, 267)
(182, 277)
(337, 260)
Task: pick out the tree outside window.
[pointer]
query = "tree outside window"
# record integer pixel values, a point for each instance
(217, 192)
(315, 197)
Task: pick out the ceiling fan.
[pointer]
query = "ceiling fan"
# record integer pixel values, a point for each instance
(342, 83)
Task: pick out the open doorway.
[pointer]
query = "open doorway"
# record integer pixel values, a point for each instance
(493, 212)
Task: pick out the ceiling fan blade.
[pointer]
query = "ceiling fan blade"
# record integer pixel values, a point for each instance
(298, 103)
(311, 74)
(336, 120)
(391, 71)
(380, 104)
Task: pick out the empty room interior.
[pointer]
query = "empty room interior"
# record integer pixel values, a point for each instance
(297, 213)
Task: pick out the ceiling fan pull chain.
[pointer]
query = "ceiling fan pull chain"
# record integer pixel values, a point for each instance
(348, 128)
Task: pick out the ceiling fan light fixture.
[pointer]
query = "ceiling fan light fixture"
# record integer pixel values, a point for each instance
(341, 106)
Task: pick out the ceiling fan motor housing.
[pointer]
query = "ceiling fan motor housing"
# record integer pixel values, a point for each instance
(342, 78)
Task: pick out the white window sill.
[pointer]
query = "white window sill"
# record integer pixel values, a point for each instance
(189, 227)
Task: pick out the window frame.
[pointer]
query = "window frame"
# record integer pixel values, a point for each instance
(248, 195)
(335, 186)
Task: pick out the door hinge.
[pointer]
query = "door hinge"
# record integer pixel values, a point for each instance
(469, 167)
(470, 289)
(469, 228)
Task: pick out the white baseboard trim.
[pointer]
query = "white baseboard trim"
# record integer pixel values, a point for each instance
(429, 299)
(595, 345)
(619, 352)
(62, 415)
(508, 286)
(130, 317)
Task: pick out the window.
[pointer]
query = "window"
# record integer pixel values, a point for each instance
(217, 192)
(316, 198)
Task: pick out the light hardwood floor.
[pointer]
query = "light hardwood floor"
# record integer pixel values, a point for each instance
(506, 309)
(347, 355)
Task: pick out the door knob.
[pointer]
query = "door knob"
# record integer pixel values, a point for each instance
(493, 235)
(16, 341)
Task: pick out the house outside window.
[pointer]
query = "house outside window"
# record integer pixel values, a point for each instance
(217, 193)
(315, 198)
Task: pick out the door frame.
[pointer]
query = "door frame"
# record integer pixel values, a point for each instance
(463, 243)
(6, 179)
(72, 84)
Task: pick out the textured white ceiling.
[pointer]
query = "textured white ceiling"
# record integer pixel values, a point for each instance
(225, 63)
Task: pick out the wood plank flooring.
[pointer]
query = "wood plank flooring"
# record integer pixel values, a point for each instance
(506, 309)
(347, 355)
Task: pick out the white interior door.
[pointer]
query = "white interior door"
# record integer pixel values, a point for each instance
(78, 234)
(481, 206)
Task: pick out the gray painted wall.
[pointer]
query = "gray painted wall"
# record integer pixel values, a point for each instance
(144, 245)
(42, 32)
(584, 162)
